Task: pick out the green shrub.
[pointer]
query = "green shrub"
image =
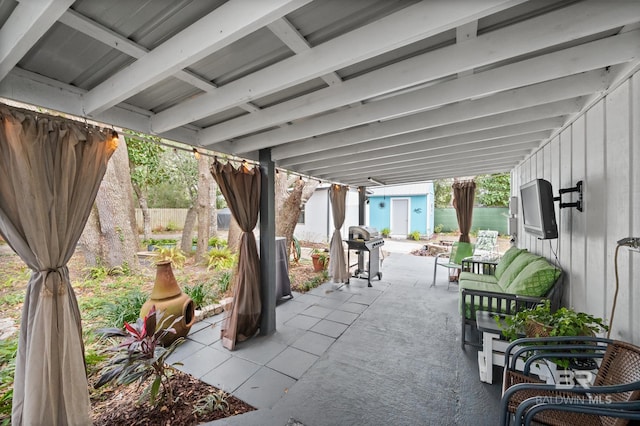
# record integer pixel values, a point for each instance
(8, 349)
(385, 232)
(123, 309)
(212, 402)
(415, 235)
(171, 226)
(438, 228)
(224, 282)
(220, 258)
(173, 254)
(200, 293)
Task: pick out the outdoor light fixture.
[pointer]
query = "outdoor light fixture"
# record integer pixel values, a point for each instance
(633, 243)
(376, 181)
(196, 153)
(114, 139)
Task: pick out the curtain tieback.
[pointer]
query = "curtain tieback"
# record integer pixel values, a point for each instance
(54, 284)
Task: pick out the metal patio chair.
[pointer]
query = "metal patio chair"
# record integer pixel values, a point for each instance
(459, 251)
(611, 400)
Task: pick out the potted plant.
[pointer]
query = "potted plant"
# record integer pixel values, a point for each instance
(539, 321)
(320, 259)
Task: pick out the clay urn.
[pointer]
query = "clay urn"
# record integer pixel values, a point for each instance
(167, 296)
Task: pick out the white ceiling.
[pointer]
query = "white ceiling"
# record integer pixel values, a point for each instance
(342, 90)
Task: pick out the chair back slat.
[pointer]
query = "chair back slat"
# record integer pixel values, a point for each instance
(621, 364)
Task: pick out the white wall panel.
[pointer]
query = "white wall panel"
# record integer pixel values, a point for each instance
(602, 148)
(618, 191)
(565, 221)
(578, 228)
(595, 211)
(634, 261)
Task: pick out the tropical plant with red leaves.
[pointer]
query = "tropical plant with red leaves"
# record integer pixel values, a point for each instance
(140, 356)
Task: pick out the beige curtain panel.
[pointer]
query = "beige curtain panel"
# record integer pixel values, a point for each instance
(463, 197)
(338, 270)
(50, 172)
(241, 189)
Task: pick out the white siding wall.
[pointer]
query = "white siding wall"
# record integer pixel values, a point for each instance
(318, 224)
(601, 148)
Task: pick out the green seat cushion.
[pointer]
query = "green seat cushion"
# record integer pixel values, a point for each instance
(516, 266)
(506, 260)
(468, 277)
(535, 279)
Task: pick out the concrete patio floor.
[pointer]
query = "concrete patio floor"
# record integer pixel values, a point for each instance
(354, 355)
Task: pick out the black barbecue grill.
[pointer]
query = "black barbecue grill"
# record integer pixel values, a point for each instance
(365, 241)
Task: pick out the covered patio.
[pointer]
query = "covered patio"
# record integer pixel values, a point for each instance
(358, 93)
(388, 354)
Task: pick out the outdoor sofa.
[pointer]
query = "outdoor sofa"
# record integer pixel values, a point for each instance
(518, 281)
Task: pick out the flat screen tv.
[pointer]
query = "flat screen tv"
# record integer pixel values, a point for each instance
(538, 212)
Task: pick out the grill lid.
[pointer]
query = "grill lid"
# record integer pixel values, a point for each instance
(362, 233)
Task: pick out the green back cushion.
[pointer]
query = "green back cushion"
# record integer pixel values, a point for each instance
(515, 267)
(506, 260)
(535, 279)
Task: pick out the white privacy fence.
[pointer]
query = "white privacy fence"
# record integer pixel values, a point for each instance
(173, 219)
(163, 218)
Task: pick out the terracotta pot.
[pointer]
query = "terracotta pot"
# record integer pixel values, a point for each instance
(169, 298)
(319, 262)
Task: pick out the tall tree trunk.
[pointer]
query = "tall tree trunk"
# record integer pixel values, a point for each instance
(144, 207)
(213, 221)
(187, 230)
(291, 194)
(203, 208)
(233, 238)
(110, 237)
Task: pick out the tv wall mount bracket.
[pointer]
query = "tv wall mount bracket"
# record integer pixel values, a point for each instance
(577, 204)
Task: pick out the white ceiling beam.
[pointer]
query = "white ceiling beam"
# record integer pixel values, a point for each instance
(330, 146)
(435, 165)
(483, 161)
(406, 26)
(220, 28)
(411, 141)
(578, 20)
(429, 175)
(537, 94)
(29, 21)
(586, 57)
(89, 27)
(466, 33)
(290, 36)
(35, 89)
(453, 173)
(458, 146)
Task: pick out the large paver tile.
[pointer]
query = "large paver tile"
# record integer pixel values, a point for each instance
(229, 375)
(314, 343)
(356, 308)
(203, 361)
(329, 328)
(264, 388)
(292, 362)
(207, 335)
(187, 348)
(259, 349)
(342, 317)
(316, 311)
(303, 322)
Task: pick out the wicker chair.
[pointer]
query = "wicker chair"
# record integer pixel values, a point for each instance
(611, 400)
